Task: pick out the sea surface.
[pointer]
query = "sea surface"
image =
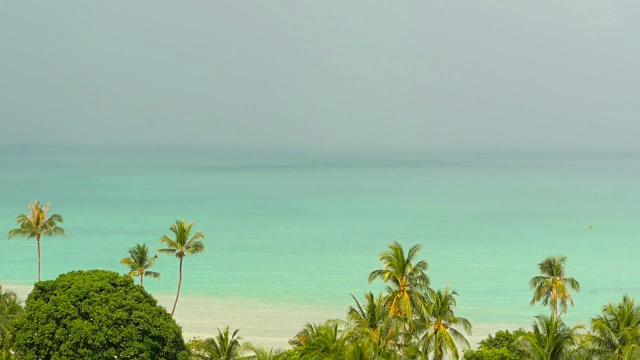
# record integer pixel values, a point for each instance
(291, 236)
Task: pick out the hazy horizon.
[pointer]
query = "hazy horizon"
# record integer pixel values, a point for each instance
(322, 77)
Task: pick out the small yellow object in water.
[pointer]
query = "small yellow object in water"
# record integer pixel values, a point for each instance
(589, 227)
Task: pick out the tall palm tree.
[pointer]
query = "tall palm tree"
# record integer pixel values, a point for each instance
(407, 282)
(441, 332)
(37, 224)
(552, 339)
(184, 244)
(552, 286)
(139, 263)
(616, 333)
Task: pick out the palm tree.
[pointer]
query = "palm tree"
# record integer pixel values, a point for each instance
(616, 333)
(182, 246)
(552, 287)
(322, 341)
(139, 263)
(223, 347)
(37, 224)
(551, 339)
(408, 282)
(262, 353)
(10, 309)
(371, 323)
(442, 333)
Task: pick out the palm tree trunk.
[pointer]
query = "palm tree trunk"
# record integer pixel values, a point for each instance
(142, 280)
(179, 284)
(38, 241)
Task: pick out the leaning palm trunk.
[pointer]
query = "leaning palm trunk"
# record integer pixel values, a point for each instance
(178, 294)
(180, 247)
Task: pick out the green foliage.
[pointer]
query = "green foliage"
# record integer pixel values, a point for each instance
(10, 309)
(551, 287)
(184, 244)
(95, 315)
(407, 281)
(139, 263)
(322, 341)
(500, 346)
(371, 327)
(490, 354)
(442, 335)
(616, 333)
(224, 346)
(291, 354)
(407, 284)
(551, 339)
(37, 224)
(262, 353)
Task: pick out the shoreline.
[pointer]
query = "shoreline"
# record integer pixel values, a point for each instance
(261, 324)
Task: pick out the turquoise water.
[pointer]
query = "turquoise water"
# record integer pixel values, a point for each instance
(303, 231)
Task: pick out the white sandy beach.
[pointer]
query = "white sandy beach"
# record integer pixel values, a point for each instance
(259, 323)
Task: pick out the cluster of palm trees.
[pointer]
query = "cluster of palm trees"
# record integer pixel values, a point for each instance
(408, 320)
(37, 224)
(412, 321)
(614, 334)
(181, 245)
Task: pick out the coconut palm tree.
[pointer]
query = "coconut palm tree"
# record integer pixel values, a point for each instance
(441, 325)
(139, 263)
(552, 286)
(407, 282)
(262, 353)
(322, 341)
(10, 309)
(37, 224)
(616, 333)
(184, 244)
(552, 339)
(224, 346)
(371, 324)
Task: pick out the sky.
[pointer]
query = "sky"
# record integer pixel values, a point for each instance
(322, 75)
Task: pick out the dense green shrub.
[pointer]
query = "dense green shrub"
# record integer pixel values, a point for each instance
(500, 346)
(95, 315)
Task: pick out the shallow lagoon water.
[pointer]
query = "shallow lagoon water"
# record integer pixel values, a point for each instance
(291, 236)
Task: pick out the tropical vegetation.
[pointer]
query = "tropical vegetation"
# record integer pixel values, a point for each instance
(139, 263)
(552, 339)
(224, 346)
(95, 314)
(37, 224)
(181, 245)
(10, 310)
(102, 315)
(616, 332)
(552, 286)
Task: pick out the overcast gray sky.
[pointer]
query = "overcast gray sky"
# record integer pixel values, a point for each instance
(322, 74)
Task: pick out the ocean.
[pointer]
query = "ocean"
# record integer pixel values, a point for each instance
(290, 236)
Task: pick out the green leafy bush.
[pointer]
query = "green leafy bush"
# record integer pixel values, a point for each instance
(95, 315)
